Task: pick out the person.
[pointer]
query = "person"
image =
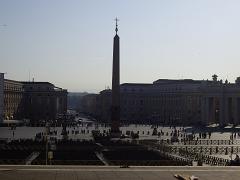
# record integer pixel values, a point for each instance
(237, 159)
(183, 177)
(199, 162)
(235, 162)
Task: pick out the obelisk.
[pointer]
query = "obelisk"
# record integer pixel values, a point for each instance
(115, 108)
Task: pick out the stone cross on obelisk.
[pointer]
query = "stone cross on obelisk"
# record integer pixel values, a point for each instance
(115, 108)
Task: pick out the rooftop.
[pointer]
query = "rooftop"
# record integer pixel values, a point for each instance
(178, 81)
(33, 82)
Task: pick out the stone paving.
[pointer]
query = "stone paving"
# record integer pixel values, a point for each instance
(30, 132)
(83, 131)
(116, 173)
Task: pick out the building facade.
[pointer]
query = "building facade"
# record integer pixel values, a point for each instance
(35, 101)
(104, 100)
(43, 101)
(89, 104)
(165, 101)
(13, 100)
(1, 97)
(176, 102)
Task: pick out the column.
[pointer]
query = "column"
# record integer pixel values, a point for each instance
(211, 110)
(235, 110)
(207, 111)
(203, 111)
(238, 110)
(221, 111)
(226, 111)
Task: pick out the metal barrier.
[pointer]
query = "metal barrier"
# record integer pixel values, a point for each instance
(199, 153)
(211, 142)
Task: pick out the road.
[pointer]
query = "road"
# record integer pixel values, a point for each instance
(114, 173)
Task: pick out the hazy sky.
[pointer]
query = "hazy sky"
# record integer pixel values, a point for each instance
(69, 43)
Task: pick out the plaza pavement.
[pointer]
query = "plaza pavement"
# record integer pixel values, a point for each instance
(115, 173)
(24, 132)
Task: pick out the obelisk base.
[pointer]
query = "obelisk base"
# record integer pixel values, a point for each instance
(115, 134)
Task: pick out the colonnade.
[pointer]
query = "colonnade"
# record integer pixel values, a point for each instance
(220, 109)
